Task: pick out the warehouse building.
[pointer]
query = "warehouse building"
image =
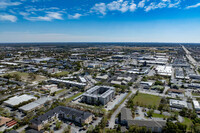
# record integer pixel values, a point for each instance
(16, 100)
(99, 95)
(164, 70)
(35, 104)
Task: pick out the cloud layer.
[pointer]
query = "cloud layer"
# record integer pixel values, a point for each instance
(10, 10)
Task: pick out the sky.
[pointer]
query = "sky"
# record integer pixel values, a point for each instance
(100, 21)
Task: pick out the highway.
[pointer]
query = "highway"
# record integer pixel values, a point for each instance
(189, 57)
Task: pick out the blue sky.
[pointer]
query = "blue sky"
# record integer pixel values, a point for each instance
(100, 21)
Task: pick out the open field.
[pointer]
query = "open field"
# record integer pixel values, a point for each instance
(159, 115)
(71, 98)
(25, 76)
(146, 100)
(187, 122)
(63, 73)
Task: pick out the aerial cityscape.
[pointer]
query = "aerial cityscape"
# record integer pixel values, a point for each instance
(99, 66)
(99, 87)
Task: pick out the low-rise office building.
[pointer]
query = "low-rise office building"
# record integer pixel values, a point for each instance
(178, 104)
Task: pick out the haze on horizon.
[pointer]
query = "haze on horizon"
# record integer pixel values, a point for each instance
(100, 21)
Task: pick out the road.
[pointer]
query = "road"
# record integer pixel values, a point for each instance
(190, 58)
(112, 120)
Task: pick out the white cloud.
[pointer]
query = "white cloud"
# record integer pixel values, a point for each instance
(7, 17)
(133, 7)
(118, 5)
(124, 7)
(48, 17)
(152, 6)
(173, 5)
(162, 4)
(99, 8)
(6, 3)
(193, 6)
(75, 16)
(141, 4)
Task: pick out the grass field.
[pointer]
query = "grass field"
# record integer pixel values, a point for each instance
(62, 73)
(71, 98)
(60, 91)
(146, 100)
(196, 94)
(25, 76)
(187, 122)
(159, 115)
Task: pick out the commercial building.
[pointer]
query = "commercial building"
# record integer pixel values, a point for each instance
(67, 82)
(82, 79)
(62, 112)
(196, 105)
(178, 104)
(35, 104)
(126, 120)
(99, 95)
(164, 70)
(194, 76)
(16, 100)
(154, 125)
(102, 77)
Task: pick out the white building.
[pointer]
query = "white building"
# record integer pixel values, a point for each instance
(164, 70)
(196, 105)
(102, 77)
(16, 100)
(178, 104)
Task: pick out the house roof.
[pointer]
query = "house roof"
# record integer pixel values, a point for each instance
(176, 91)
(4, 120)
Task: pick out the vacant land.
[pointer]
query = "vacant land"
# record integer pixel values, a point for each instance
(27, 77)
(146, 100)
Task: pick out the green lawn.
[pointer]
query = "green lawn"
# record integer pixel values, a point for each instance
(196, 94)
(187, 122)
(62, 73)
(159, 115)
(74, 96)
(60, 91)
(146, 100)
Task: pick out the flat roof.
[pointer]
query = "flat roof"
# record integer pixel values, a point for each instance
(68, 82)
(13, 101)
(35, 104)
(103, 95)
